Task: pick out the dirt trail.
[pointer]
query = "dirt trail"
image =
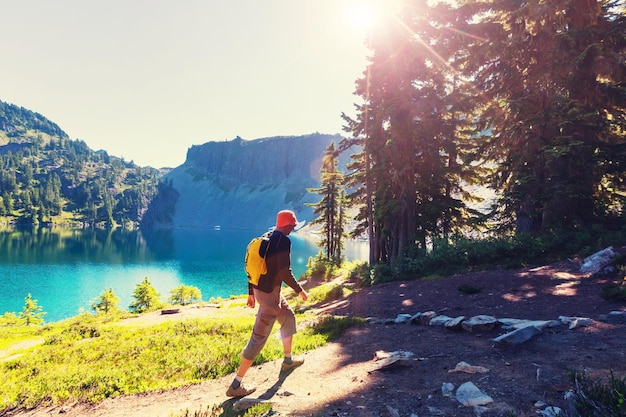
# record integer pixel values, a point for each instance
(322, 379)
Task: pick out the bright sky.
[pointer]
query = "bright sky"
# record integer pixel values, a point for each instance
(147, 79)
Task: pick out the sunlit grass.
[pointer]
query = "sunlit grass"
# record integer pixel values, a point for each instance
(89, 358)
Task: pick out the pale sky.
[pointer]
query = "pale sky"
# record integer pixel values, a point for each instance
(147, 79)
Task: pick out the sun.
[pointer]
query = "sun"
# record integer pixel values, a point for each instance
(365, 14)
(361, 14)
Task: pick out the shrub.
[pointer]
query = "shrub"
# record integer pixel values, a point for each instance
(613, 292)
(598, 398)
(461, 254)
(469, 289)
(317, 267)
(361, 274)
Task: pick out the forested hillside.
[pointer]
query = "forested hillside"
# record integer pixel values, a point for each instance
(48, 178)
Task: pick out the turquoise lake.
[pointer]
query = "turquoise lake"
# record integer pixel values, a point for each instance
(65, 270)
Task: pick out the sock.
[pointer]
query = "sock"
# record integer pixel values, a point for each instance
(287, 359)
(236, 382)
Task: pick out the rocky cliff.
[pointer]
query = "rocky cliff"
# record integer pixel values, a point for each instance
(242, 184)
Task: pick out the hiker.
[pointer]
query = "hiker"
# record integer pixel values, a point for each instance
(272, 305)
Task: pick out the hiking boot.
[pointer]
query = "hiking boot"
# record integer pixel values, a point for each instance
(239, 392)
(294, 364)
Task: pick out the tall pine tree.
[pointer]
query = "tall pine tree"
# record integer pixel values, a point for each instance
(330, 209)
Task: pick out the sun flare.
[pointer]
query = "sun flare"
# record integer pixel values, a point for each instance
(364, 14)
(361, 13)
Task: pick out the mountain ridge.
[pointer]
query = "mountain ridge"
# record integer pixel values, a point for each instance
(242, 184)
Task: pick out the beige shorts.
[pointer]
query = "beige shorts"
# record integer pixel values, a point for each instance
(272, 307)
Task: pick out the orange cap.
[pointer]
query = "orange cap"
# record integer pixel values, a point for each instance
(287, 218)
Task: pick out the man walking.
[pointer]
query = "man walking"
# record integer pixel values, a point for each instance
(272, 305)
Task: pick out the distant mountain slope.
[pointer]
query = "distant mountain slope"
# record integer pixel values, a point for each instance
(242, 184)
(47, 178)
(18, 125)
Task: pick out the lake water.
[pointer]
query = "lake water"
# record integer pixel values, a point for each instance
(66, 269)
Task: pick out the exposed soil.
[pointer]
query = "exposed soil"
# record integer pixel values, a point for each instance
(341, 379)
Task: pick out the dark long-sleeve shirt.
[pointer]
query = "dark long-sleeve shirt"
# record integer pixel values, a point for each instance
(278, 261)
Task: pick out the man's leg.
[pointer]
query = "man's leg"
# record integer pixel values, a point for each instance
(287, 342)
(287, 321)
(288, 361)
(243, 367)
(236, 389)
(263, 325)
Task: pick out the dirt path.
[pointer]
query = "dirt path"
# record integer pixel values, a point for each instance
(322, 379)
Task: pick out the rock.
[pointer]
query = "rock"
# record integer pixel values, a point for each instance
(576, 322)
(508, 324)
(551, 412)
(469, 395)
(434, 411)
(403, 318)
(426, 317)
(447, 388)
(614, 317)
(415, 318)
(439, 320)
(597, 261)
(455, 323)
(387, 360)
(479, 323)
(516, 337)
(542, 324)
(470, 369)
(393, 411)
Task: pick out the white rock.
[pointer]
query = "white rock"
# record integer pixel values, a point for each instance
(576, 322)
(447, 388)
(403, 318)
(439, 320)
(597, 261)
(551, 412)
(469, 395)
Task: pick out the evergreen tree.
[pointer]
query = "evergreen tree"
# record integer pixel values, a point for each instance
(8, 202)
(106, 303)
(185, 294)
(415, 135)
(552, 79)
(147, 298)
(32, 313)
(330, 209)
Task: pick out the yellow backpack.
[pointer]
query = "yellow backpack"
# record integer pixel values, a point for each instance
(254, 261)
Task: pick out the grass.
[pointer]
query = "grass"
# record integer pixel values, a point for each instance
(89, 358)
(215, 411)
